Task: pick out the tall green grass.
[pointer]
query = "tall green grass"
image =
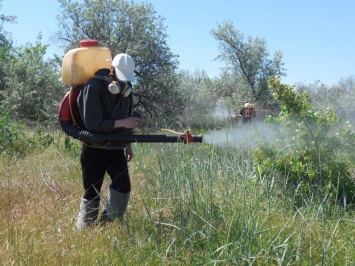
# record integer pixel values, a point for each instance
(196, 204)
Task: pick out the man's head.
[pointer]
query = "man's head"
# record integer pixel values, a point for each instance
(124, 67)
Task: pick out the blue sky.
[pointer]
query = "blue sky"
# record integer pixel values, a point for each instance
(316, 37)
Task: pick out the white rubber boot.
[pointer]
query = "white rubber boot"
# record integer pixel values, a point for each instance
(116, 204)
(89, 210)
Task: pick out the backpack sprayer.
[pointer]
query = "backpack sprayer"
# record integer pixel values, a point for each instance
(78, 66)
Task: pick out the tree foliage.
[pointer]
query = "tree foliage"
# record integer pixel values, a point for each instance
(248, 61)
(5, 39)
(31, 86)
(136, 29)
(314, 151)
(200, 94)
(5, 45)
(340, 97)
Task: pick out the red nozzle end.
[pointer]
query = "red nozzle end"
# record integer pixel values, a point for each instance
(188, 137)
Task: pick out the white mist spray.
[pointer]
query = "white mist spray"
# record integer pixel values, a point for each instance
(243, 136)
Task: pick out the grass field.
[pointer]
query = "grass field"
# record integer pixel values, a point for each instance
(197, 204)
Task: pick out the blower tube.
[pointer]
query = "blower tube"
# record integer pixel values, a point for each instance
(89, 137)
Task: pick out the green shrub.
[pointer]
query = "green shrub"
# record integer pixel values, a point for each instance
(313, 149)
(17, 138)
(8, 133)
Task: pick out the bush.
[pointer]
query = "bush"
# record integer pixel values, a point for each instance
(17, 138)
(7, 133)
(313, 148)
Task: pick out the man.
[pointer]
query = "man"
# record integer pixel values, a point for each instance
(105, 105)
(241, 113)
(247, 112)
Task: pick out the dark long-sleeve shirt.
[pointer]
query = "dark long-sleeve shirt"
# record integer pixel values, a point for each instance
(99, 108)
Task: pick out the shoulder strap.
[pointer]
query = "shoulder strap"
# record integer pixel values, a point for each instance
(73, 106)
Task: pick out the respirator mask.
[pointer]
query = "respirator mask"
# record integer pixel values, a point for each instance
(118, 86)
(115, 88)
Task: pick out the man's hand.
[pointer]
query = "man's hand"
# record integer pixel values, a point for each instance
(129, 153)
(129, 122)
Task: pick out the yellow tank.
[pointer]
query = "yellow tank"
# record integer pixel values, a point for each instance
(80, 64)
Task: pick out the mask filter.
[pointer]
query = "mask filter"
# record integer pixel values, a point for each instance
(114, 88)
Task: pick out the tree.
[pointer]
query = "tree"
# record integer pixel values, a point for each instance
(5, 40)
(32, 88)
(340, 97)
(5, 45)
(136, 29)
(200, 94)
(248, 61)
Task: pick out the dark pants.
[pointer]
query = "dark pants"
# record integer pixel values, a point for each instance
(246, 120)
(95, 163)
